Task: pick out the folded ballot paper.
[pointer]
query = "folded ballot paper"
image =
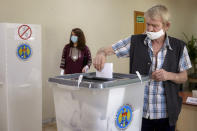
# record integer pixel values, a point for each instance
(106, 72)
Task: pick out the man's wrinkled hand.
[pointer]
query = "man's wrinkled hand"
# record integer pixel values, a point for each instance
(160, 75)
(99, 61)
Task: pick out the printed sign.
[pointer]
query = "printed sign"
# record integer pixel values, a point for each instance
(24, 32)
(24, 51)
(140, 19)
(123, 117)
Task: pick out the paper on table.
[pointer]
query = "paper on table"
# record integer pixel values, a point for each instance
(107, 71)
(191, 100)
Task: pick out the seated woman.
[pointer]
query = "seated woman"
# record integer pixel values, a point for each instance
(76, 56)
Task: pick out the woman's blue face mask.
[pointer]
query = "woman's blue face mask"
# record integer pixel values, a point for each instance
(74, 39)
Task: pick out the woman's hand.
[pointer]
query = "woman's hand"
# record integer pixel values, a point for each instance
(85, 69)
(62, 72)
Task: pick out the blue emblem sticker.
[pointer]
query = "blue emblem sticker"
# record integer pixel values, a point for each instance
(24, 51)
(124, 117)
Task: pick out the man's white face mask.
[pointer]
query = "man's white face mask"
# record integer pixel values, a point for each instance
(155, 35)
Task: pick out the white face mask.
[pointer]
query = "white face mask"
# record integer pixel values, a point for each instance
(155, 35)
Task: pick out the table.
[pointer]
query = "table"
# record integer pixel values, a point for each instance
(188, 117)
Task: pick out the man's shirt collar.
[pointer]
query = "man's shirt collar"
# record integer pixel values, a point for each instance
(147, 41)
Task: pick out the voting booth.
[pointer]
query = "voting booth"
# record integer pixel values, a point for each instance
(20, 77)
(98, 104)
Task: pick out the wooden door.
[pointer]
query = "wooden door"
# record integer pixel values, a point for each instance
(139, 22)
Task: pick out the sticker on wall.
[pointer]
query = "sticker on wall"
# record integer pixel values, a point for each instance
(24, 51)
(123, 117)
(24, 32)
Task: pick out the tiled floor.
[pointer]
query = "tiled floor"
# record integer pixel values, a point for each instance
(49, 127)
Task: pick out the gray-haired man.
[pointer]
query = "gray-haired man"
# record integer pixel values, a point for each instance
(162, 57)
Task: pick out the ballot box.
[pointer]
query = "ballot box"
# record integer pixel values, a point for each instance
(20, 77)
(98, 104)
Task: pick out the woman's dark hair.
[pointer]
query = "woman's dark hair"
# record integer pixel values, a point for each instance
(81, 38)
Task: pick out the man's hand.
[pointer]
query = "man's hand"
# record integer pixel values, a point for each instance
(101, 55)
(160, 75)
(99, 61)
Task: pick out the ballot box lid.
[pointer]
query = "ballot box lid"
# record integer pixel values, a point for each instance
(90, 80)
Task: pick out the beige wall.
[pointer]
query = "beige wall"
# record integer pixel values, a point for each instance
(103, 22)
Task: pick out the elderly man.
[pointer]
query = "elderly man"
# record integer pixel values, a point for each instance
(165, 59)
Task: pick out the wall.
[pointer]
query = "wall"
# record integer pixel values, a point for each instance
(103, 22)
